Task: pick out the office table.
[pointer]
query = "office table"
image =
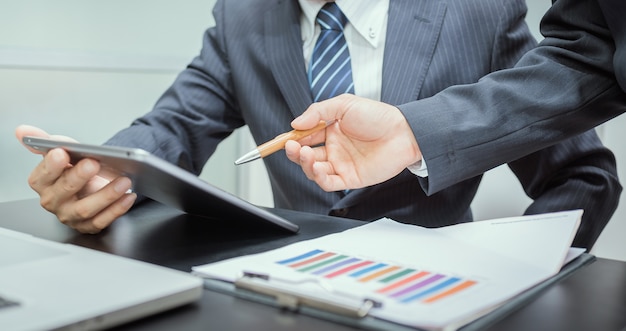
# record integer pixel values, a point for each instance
(592, 298)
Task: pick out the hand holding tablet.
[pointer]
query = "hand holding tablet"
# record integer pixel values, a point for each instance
(164, 182)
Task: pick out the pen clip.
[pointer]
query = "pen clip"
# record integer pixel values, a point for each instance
(294, 300)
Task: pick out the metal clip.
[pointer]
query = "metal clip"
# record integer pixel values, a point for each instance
(288, 297)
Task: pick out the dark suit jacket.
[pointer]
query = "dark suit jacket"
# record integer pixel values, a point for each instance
(251, 72)
(572, 82)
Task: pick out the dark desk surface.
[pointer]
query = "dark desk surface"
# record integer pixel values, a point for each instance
(592, 298)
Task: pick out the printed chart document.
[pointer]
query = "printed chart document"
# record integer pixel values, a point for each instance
(434, 279)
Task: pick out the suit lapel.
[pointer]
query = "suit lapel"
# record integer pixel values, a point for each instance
(412, 31)
(283, 43)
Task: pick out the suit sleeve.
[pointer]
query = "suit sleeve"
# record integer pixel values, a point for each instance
(578, 173)
(562, 88)
(195, 113)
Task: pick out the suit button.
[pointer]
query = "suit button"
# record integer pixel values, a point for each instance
(342, 212)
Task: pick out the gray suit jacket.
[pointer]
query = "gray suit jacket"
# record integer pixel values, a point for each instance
(251, 72)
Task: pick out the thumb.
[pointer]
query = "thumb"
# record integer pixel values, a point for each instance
(32, 131)
(26, 131)
(309, 119)
(327, 110)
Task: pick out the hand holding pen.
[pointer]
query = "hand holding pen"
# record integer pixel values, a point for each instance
(370, 142)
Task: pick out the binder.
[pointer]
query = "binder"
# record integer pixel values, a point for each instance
(263, 289)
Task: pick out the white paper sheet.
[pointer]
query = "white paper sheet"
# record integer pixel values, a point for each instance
(458, 272)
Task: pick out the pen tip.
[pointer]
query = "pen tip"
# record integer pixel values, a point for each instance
(251, 156)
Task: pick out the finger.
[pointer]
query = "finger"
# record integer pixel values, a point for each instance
(95, 184)
(329, 109)
(107, 216)
(73, 213)
(320, 154)
(314, 139)
(26, 130)
(307, 158)
(325, 177)
(58, 191)
(48, 171)
(307, 120)
(76, 178)
(292, 150)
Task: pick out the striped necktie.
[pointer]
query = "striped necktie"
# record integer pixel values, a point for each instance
(330, 72)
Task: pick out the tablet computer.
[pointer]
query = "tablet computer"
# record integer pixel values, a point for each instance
(164, 182)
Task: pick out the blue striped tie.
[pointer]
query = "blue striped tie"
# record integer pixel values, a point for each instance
(330, 72)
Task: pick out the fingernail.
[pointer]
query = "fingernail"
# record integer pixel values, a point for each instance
(56, 155)
(88, 167)
(122, 185)
(129, 199)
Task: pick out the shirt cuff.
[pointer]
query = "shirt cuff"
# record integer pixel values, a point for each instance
(419, 168)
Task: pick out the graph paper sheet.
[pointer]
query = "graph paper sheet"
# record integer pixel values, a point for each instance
(434, 279)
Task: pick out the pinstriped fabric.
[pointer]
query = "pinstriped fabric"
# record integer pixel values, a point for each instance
(251, 71)
(330, 72)
(438, 55)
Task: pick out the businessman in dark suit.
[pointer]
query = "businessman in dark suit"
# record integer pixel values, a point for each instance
(252, 71)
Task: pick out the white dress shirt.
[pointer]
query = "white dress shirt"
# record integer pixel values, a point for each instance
(365, 34)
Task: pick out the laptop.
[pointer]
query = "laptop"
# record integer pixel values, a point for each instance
(171, 185)
(45, 285)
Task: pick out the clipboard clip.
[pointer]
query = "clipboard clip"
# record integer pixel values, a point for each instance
(293, 300)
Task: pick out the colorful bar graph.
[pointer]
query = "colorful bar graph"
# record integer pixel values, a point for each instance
(417, 286)
(405, 285)
(451, 291)
(443, 285)
(402, 282)
(348, 269)
(378, 274)
(397, 275)
(300, 257)
(367, 270)
(334, 266)
(311, 260)
(322, 263)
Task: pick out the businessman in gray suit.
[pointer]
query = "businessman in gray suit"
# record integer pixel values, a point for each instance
(252, 71)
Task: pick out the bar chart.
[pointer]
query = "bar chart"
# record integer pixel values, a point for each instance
(401, 283)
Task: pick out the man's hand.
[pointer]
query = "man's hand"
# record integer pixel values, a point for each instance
(371, 142)
(78, 195)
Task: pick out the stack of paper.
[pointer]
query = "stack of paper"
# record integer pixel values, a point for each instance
(432, 279)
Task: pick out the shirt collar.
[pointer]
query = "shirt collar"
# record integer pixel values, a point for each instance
(366, 16)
